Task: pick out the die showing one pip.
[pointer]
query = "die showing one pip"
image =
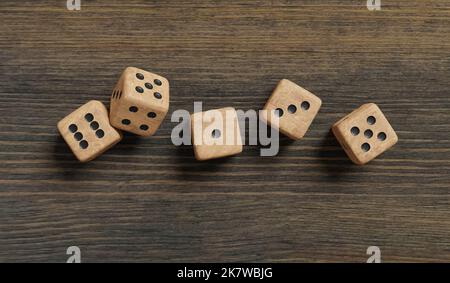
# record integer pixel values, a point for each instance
(365, 133)
(216, 134)
(87, 131)
(140, 102)
(295, 108)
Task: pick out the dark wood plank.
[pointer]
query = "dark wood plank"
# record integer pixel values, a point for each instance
(147, 200)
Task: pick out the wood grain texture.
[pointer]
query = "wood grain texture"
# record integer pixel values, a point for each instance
(147, 200)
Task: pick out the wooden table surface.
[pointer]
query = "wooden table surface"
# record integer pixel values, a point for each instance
(147, 200)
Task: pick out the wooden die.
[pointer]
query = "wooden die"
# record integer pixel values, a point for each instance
(216, 134)
(140, 102)
(87, 131)
(295, 108)
(365, 133)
